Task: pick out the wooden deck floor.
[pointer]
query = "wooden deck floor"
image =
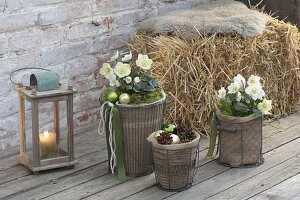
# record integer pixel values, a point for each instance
(278, 178)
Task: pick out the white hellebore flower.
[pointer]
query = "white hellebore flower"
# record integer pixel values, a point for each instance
(113, 81)
(106, 70)
(128, 79)
(127, 57)
(255, 91)
(115, 57)
(122, 70)
(137, 79)
(265, 106)
(240, 80)
(222, 93)
(239, 97)
(253, 80)
(233, 87)
(144, 62)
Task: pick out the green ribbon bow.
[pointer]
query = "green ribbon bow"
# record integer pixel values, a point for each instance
(213, 133)
(114, 117)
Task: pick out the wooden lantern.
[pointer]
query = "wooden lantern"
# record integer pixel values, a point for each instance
(48, 149)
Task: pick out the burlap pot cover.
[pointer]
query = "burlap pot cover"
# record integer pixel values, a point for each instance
(175, 164)
(240, 140)
(138, 122)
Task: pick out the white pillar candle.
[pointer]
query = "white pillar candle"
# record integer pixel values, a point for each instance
(48, 144)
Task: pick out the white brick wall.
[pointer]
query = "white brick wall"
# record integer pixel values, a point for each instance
(59, 35)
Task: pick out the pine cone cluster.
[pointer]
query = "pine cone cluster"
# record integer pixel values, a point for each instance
(185, 132)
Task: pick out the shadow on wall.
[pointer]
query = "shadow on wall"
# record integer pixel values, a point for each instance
(288, 10)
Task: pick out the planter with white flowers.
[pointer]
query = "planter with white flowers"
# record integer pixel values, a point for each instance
(238, 122)
(132, 108)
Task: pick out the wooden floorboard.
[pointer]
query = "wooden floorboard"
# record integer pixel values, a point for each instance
(288, 189)
(91, 180)
(212, 177)
(261, 181)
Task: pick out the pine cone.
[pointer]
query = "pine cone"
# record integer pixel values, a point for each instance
(185, 132)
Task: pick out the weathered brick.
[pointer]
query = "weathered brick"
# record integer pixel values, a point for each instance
(167, 7)
(132, 17)
(86, 100)
(109, 6)
(7, 65)
(109, 42)
(85, 29)
(86, 83)
(64, 13)
(59, 54)
(19, 4)
(8, 105)
(2, 5)
(33, 38)
(3, 44)
(9, 131)
(6, 86)
(82, 66)
(86, 117)
(17, 21)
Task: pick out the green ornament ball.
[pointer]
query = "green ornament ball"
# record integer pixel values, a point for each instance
(124, 98)
(112, 96)
(169, 128)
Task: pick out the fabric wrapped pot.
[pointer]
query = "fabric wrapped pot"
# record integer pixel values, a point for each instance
(175, 163)
(240, 140)
(138, 122)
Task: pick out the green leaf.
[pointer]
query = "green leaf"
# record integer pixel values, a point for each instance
(258, 112)
(144, 86)
(226, 107)
(154, 83)
(240, 107)
(247, 98)
(148, 77)
(133, 74)
(231, 97)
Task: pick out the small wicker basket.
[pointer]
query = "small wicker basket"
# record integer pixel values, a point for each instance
(240, 140)
(175, 163)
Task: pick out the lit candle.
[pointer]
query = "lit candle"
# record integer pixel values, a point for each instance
(48, 144)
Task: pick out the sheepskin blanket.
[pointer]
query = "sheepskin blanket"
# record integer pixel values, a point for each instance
(223, 16)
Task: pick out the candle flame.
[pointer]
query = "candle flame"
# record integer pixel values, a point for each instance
(46, 133)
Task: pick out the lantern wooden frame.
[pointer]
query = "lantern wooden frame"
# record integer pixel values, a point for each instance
(36, 164)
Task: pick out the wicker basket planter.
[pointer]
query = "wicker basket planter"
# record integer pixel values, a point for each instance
(240, 140)
(138, 122)
(175, 163)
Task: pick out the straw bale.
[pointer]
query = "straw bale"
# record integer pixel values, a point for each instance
(191, 71)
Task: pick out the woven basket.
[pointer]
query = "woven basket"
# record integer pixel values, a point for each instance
(175, 164)
(240, 140)
(138, 122)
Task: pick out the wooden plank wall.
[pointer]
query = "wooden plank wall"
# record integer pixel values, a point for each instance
(285, 9)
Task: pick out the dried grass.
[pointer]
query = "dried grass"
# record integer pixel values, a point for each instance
(192, 71)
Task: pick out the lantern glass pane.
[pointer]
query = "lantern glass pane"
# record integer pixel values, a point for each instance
(28, 130)
(53, 130)
(63, 128)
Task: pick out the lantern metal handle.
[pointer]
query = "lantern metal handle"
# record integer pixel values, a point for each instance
(20, 84)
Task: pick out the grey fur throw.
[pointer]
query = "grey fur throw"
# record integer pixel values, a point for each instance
(223, 16)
